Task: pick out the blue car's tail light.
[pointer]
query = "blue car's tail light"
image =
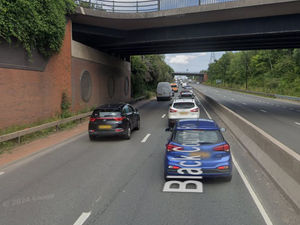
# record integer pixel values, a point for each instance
(225, 148)
(174, 167)
(223, 167)
(171, 147)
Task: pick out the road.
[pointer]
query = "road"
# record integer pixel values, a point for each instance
(280, 119)
(119, 182)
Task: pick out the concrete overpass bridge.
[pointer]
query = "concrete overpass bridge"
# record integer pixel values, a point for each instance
(200, 76)
(233, 25)
(93, 65)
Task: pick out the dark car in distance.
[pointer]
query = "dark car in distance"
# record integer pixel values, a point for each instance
(114, 119)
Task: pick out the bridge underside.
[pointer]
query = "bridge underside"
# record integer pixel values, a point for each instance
(199, 76)
(273, 32)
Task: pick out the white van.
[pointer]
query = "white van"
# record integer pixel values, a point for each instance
(164, 91)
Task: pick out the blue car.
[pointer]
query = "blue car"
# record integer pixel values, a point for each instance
(196, 150)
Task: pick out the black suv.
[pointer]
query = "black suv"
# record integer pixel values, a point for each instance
(114, 119)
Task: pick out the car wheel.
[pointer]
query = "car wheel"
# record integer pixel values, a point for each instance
(138, 125)
(128, 133)
(92, 137)
(158, 99)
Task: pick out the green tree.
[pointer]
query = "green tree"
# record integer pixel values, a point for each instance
(275, 71)
(147, 71)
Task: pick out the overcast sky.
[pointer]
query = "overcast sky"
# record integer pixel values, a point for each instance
(191, 62)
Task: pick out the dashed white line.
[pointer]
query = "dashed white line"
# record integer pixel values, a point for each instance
(232, 99)
(84, 216)
(264, 111)
(295, 123)
(244, 103)
(1, 173)
(163, 116)
(252, 193)
(145, 138)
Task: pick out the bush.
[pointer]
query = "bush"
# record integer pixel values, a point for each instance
(36, 24)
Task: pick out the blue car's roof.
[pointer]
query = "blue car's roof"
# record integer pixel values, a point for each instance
(196, 124)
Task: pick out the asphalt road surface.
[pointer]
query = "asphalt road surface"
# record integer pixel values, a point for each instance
(280, 119)
(119, 182)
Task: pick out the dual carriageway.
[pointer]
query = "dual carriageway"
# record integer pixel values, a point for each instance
(114, 181)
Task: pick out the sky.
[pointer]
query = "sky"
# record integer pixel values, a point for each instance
(190, 62)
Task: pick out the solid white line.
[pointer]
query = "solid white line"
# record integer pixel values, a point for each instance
(145, 138)
(84, 216)
(252, 193)
(264, 111)
(1, 173)
(163, 116)
(208, 115)
(295, 123)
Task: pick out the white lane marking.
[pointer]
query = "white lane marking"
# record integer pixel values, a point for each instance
(252, 193)
(232, 99)
(145, 138)
(1, 173)
(208, 115)
(163, 116)
(295, 123)
(244, 103)
(84, 216)
(264, 111)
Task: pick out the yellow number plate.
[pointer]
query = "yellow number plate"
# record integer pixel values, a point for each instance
(105, 127)
(183, 113)
(200, 154)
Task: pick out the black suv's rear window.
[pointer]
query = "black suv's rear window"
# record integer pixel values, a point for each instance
(195, 137)
(107, 113)
(184, 105)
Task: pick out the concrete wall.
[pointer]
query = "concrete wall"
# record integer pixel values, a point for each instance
(108, 77)
(33, 91)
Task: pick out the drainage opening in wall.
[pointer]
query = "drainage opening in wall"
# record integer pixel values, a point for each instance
(111, 87)
(86, 86)
(126, 86)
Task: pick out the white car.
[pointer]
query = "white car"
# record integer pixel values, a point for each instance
(183, 109)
